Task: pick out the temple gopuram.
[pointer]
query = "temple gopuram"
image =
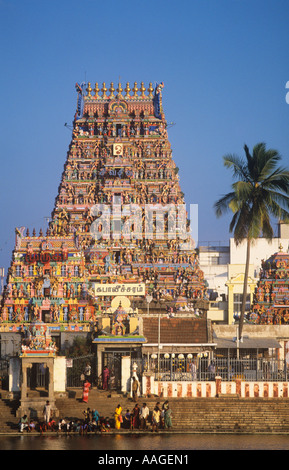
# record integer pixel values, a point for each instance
(118, 245)
(271, 298)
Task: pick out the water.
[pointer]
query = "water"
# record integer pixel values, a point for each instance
(169, 442)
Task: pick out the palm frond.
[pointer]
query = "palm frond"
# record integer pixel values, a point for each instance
(261, 191)
(279, 180)
(243, 190)
(237, 165)
(223, 204)
(277, 205)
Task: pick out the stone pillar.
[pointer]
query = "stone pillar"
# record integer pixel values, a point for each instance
(25, 366)
(134, 374)
(125, 374)
(100, 350)
(59, 375)
(14, 375)
(148, 384)
(238, 387)
(218, 385)
(50, 366)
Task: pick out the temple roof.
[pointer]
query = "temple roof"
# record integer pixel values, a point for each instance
(280, 255)
(119, 101)
(176, 331)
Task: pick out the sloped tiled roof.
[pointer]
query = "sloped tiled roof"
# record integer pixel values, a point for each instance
(176, 330)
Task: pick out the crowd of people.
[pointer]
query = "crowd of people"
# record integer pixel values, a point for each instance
(160, 417)
(140, 418)
(90, 422)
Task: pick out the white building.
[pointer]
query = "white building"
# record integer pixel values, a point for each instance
(224, 268)
(214, 262)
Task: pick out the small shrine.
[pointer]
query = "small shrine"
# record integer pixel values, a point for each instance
(38, 341)
(271, 298)
(37, 352)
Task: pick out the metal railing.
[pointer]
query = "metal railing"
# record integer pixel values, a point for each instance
(229, 369)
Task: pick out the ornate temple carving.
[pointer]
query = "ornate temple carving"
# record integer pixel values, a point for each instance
(113, 219)
(271, 297)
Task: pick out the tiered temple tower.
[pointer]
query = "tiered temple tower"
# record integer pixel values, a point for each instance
(116, 225)
(271, 299)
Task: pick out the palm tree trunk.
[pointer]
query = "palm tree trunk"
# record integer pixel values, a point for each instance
(243, 306)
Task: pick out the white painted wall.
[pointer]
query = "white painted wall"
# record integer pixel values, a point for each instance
(60, 374)
(261, 249)
(215, 274)
(125, 374)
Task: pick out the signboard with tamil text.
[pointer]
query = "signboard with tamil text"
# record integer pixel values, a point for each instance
(119, 289)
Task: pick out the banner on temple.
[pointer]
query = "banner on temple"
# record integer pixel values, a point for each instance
(119, 289)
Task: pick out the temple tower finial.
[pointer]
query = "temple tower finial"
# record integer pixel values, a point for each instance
(112, 90)
(135, 89)
(127, 90)
(96, 90)
(104, 90)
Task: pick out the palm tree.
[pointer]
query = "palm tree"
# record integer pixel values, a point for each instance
(260, 191)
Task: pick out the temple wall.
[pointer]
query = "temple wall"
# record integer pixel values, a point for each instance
(215, 388)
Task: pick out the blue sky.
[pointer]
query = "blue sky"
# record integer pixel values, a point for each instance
(224, 64)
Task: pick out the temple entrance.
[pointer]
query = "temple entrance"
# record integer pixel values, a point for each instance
(112, 359)
(38, 377)
(113, 362)
(37, 385)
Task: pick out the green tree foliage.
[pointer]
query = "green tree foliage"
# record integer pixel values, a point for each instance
(80, 347)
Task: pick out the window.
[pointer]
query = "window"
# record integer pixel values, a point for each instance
(46, 291)
(238, 303)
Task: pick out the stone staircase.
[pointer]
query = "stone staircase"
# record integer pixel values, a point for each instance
(104, 402)
(197, 415)
(231, 415)
(8, 419)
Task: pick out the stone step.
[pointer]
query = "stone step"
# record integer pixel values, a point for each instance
(222, 414)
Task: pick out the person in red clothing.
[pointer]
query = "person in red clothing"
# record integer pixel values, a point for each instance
(52, 424)
(135, 420)
(85, 392)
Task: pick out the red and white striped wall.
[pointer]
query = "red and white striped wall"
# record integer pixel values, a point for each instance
(215, 388)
